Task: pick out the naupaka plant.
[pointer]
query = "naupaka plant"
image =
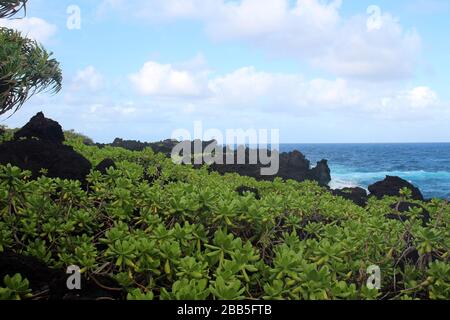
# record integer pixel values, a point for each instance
(15, 288)
(164, 231)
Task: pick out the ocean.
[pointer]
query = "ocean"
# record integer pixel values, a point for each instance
(425, 165)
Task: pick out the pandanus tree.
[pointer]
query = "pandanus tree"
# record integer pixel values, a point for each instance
(26, 68)
(8, 8)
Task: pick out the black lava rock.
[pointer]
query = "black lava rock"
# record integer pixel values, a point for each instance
(357, 195)
(46, 152)
(60, 161)
(321, 173)
(391, 186)
(42, 128)
(292, 165)
(105, 164)
(403, 207)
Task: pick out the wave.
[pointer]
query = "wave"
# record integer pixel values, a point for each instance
(431, 183)
(413, 175)
(337, 183)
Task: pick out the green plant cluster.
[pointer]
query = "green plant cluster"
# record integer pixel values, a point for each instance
(6, 134)
(167, 231)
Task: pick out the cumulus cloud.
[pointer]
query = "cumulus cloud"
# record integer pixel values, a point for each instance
(109, 111)
(156, 79)
(422, 97)
(412, 101)
(245, 84)
(310, 30)
(88, 78)
(34, 28)
(250, 89)
(282, 92)
(382, 53)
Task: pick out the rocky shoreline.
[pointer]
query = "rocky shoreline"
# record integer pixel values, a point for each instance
(40, 145)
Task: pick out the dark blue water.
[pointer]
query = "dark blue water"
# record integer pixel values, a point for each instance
(425, 165)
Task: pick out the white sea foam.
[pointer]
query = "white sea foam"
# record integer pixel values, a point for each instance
(337, 183)
(349, 179)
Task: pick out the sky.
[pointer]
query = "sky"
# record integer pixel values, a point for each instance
(350, 71)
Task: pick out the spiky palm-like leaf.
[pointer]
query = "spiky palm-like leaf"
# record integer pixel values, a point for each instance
(26, 68)
(8, 8)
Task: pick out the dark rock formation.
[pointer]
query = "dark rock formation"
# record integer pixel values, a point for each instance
(53, 282)
(295, 160)
(105, 164)
(403, 207)
(46, 152)
(131, 145)
(242, 190)
(391, 186)
(60, 161)
(321, 173)
(165, 146)
(42, 128)
(357, 195)
(292, 165)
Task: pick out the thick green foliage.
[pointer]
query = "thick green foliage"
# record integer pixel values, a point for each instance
(165, 231)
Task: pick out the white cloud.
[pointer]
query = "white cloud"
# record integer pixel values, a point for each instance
(88, 78)
(156, 79)
(264, 92)
(247, 19)
(416, 100)
(315, 31)
(422, 97)
(282, 92)
(379, 54)
(310, 30)
(333, 109)
(112, 110)
(34, 28)
(243, 84)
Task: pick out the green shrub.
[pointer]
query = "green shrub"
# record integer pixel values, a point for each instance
(189, 235)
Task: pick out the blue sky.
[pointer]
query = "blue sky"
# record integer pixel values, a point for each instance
(319, 71)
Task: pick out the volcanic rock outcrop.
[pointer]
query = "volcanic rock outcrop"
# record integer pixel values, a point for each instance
(391, 186)
(357, 195)
(104, 165)
(39, 145)
(292, 165)
(41, 128)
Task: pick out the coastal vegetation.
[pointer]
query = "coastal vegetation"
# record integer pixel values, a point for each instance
(164, 231)
(139, 227)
